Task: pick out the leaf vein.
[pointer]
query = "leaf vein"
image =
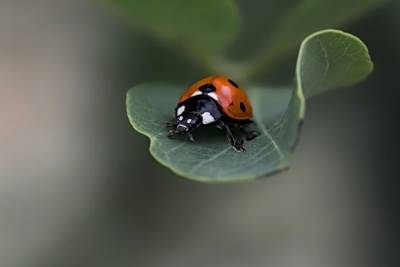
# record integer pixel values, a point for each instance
(202, 163)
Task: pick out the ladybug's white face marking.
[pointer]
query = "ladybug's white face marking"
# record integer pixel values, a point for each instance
(182, 125)
(207, 118)
(196, 93)
(180, 118)
(213, 95)
(180, 110)
(189, 120)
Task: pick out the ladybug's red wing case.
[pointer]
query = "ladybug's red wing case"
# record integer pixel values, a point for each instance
(218, 101)
(194, 88)
(232, 99)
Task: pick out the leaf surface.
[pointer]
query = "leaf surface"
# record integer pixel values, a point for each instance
(303, 18)
(327, 60)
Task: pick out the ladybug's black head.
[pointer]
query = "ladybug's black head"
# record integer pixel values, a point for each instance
(186, 122)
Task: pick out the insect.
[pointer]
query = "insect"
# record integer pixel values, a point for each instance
(218, 101)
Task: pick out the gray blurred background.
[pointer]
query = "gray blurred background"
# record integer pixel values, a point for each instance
(79, 188)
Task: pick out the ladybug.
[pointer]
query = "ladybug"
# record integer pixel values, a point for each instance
(214, 100)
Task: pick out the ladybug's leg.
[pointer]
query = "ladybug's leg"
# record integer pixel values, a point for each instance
(235, 141)
(249, 132)
(170, 124)
(190, 137)
(171, 133)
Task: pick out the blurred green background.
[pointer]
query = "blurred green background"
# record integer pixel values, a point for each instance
(79, 188)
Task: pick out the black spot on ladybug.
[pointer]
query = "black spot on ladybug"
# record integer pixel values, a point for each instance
(242, 107)
(207, 88)
(233, 83)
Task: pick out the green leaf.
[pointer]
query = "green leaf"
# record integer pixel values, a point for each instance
(305, 17)
(327, 59)
(331, 59)
(206, 25)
